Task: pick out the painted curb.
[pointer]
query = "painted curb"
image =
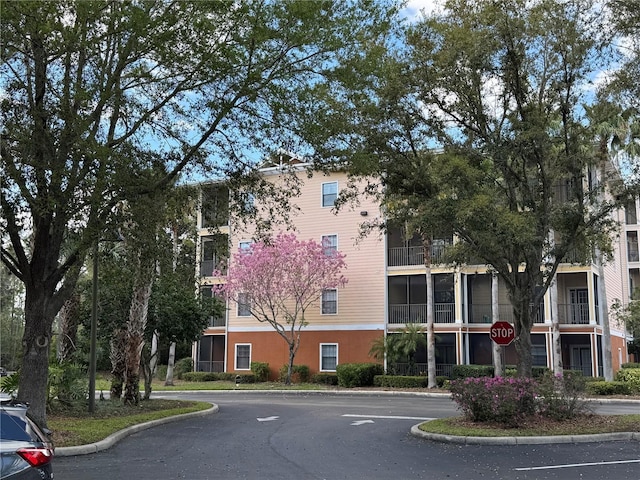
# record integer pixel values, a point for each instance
(120, 434)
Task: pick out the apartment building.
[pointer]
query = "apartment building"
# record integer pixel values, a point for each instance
(386, 290)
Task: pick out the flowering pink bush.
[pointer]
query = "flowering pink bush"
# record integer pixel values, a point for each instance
(504, 400)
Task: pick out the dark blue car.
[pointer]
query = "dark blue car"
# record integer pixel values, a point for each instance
(25, 450)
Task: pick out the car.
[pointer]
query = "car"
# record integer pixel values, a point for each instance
(26, 453)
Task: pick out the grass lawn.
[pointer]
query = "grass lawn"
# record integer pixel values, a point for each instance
(536, 426)
(76, 426)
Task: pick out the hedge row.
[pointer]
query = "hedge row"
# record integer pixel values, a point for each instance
(397, 381)
(223, 376)
(358, 374)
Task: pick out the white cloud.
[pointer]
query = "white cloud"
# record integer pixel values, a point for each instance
(416, 9)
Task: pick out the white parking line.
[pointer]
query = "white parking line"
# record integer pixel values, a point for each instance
(392, 417)
(573, 465)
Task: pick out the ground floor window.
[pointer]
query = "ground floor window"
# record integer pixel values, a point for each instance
(243, 356)
(328, 357)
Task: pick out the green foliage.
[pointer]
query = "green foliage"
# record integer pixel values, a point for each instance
(630, 376)
(562, 396)
(399, 381)
(299, 374)
(465, 371)
(161, 372)
(260, 370)
(358, 374)
(9, 384)
(67, 383)
(325, 378)
(630, 365)
(602, 387)
(200, 377)
(182, 366)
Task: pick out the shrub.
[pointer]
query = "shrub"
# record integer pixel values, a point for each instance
(161, 372)
(562, 396)
(466, 371)
(299, 374)
(630, 376)
(630, 365)
(260, 370)
(325, 379)
(200, 376)
(358, 374)
(400, 381)
(608, 388)
(501, 399)
(183, 366)
(67, 383)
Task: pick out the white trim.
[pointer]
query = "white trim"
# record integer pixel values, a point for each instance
(337, 353)
(375, 327)
(322, 193)
(235, 356)
(321, 302)
(324, 235)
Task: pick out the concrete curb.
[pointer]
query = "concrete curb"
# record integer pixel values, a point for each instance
(596, 437)
(120, 434)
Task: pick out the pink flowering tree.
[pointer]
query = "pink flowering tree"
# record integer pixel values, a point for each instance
(279, 279)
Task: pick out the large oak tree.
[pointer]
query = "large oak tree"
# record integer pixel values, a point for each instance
(87, 85)
(477, 127)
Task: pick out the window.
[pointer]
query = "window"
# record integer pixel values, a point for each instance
(329, 302)
(330, 244)
(244, 305)
(243, 356)
(328, 357)
(329, 194)
(245, 245)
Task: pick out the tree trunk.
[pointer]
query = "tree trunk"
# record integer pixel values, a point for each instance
(145, 366)
(522, 313)
(135, 338)
(69, 321)
(36, 343)
(498, 367)
(153, 361)
(431, 338)
(117, 356)
(170, 364)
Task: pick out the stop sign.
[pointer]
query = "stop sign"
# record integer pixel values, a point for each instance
(502, 333)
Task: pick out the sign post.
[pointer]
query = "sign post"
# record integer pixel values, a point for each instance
(503, 333)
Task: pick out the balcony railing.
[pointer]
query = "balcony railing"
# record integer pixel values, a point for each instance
(573, 313)
(633, 254)
(217, 321)
(482, 313)
(402, 256)
(207, 267)
(417, 313)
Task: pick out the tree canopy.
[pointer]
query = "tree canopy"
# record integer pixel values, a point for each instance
(477, 128)
(93, 91)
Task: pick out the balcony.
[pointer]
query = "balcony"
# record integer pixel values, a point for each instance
(573, 313)
(482, 313)
(417, 313)
(414, 255)
(217, 322)
(207, 267)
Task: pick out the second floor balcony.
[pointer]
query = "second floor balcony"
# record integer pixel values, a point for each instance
(483, 313)
(414, 255)
(417, 313)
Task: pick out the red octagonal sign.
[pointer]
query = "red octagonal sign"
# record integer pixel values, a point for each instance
(502, 333)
